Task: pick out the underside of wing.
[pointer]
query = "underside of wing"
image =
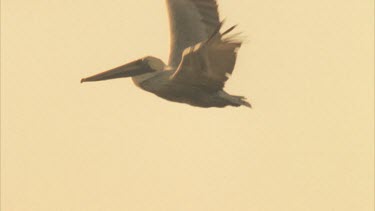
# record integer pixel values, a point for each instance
(191, 22)
(208, 64)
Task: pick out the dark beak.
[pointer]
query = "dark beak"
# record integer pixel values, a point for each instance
(134, 68)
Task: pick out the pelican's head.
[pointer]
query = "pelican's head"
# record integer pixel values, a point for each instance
(138, 67)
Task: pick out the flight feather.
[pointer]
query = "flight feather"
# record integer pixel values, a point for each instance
(191, 22)
(208, 64)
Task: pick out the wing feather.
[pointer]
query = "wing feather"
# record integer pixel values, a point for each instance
(208, 64)
(191, 22)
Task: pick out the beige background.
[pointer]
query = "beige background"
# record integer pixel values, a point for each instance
(307, 68)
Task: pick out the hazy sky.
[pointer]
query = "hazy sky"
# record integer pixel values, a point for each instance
(306, 67)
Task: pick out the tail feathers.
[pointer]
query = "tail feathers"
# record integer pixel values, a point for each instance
(235, 100)
(241, 101)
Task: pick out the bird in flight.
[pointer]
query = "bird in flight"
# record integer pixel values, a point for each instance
(200, 62)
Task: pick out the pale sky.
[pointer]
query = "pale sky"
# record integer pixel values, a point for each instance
(306, 67)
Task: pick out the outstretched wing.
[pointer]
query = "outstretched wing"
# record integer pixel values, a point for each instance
(208, 64)
(191, 22)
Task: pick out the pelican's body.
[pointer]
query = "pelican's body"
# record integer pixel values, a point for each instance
(200, 61)
(159, 84)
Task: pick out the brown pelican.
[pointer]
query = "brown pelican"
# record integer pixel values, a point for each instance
(201, 59)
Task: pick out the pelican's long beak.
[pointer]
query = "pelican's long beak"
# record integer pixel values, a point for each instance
(134, 68)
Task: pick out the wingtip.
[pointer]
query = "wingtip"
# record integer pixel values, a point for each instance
(230, 29)
(216, 32)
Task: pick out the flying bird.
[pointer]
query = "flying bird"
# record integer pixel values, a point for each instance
(200, 62)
